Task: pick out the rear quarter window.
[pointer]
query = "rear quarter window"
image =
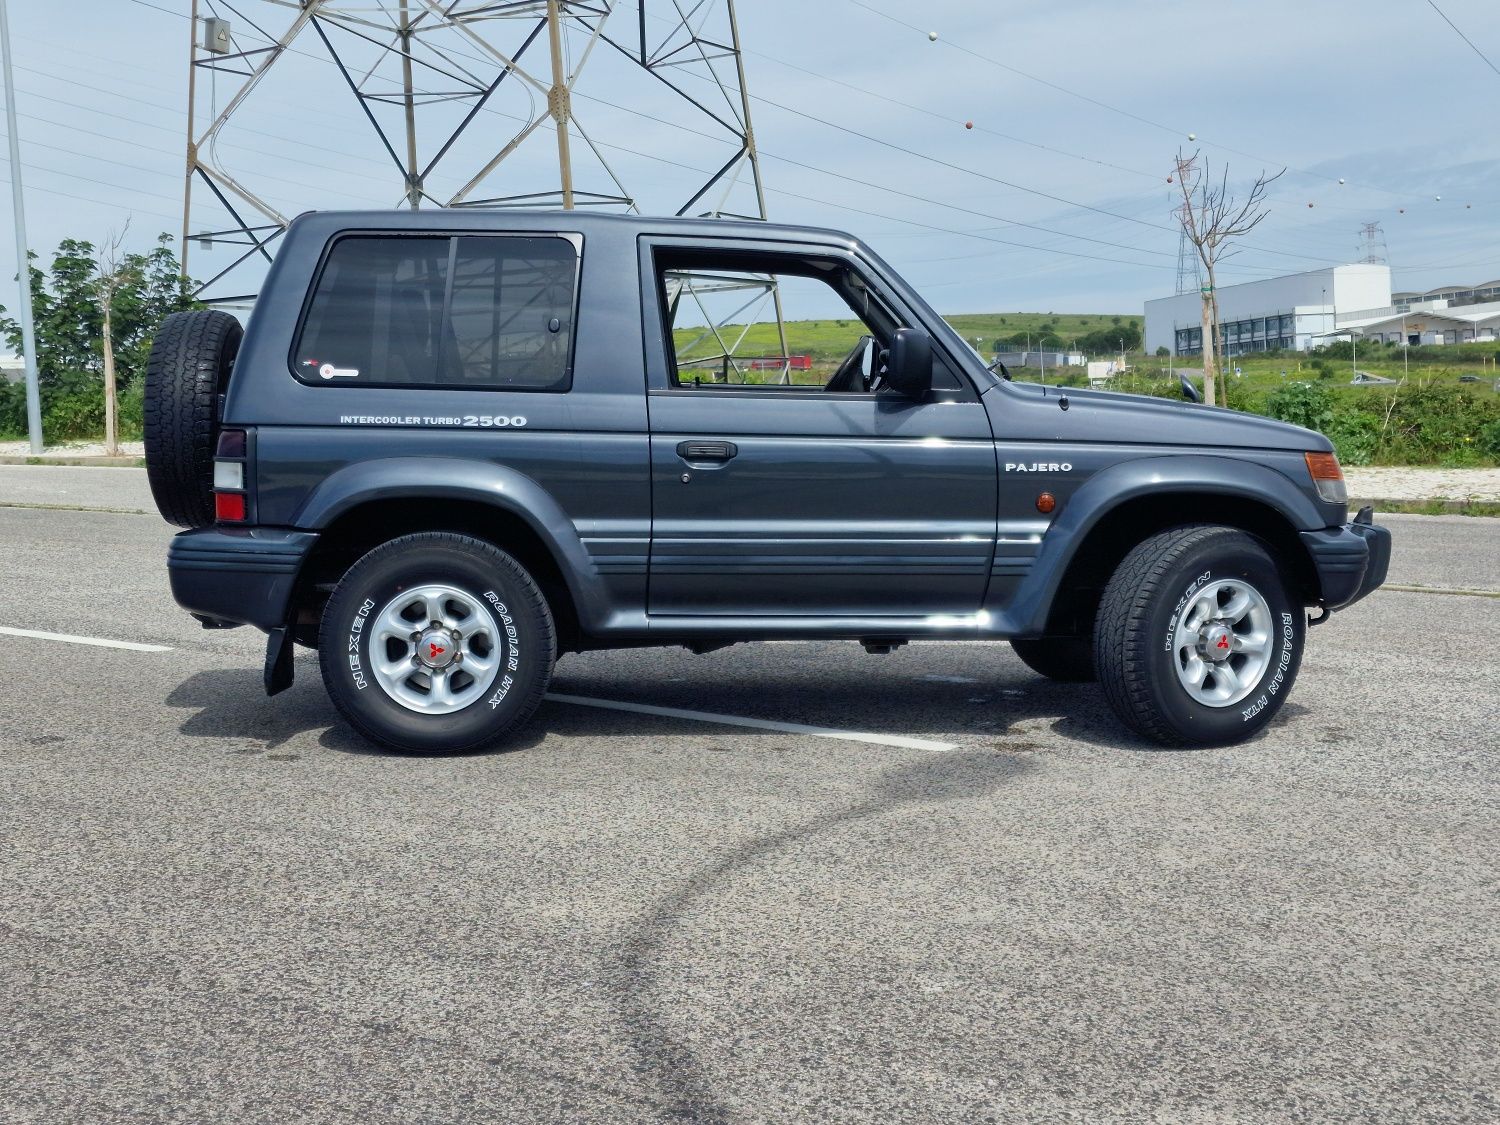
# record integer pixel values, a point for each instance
(466, 311)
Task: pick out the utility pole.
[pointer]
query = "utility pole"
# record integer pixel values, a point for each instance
(23, 255)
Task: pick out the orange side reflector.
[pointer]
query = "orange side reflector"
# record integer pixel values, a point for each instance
(1324, 466)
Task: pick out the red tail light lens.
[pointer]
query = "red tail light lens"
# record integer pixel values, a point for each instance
(229, 507)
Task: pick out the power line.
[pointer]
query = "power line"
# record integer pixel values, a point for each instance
(1465, 38)
(1095, 101)
(802, 164)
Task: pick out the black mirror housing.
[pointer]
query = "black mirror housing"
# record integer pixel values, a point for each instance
(908, 363)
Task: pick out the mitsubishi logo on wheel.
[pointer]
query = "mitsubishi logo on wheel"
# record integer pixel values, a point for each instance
(1223, 641)
(434, 650)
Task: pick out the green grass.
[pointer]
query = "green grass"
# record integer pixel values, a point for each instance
(830, 340)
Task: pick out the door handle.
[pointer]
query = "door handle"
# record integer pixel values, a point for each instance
(707, 450)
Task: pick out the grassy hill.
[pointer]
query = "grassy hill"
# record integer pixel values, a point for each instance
(1066, 326)
(830, 340)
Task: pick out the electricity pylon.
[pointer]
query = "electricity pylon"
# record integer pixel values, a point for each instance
(432, 79)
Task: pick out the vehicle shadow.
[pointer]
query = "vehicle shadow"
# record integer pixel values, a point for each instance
(665, 1059)
(995, 707)
(229, 703)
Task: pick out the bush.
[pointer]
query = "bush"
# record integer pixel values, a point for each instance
(132, 412)
(12, 409)
(1488, 438)
(73, 414)
(1302, 404)
(1355, 437)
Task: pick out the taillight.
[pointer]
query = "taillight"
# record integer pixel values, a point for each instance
(230, 456)
(229, 507)
(1328, 477)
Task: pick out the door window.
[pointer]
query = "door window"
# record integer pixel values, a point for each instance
(775, 324)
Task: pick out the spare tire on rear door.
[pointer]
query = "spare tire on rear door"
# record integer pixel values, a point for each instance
(187, 372)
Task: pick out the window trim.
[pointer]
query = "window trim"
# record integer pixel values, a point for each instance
(451, 236)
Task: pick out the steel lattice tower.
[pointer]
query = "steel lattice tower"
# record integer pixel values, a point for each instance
(1372, 245)
(428, 75)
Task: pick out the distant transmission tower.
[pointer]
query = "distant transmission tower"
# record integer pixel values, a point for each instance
(1189, 268)
(451, 90)
(1372, 245)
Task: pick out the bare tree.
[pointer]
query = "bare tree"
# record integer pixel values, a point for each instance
(114, 272)
(1212, 219)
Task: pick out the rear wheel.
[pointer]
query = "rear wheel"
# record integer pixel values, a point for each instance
(437, 643)
(1068, 660)
(1198, 639)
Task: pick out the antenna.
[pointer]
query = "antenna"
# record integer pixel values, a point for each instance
(458, 97)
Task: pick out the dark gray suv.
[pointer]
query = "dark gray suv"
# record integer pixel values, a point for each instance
(452, 445)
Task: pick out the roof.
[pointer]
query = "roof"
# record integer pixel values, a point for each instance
(496, 218)
(1468, 315)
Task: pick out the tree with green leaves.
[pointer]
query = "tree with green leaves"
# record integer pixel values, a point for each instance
(69, 303)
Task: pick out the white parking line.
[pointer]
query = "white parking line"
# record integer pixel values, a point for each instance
(99, 642)
(756, 724)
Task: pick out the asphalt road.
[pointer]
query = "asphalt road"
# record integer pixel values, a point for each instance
(218, 907)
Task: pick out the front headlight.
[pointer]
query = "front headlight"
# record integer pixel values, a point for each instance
(1328, 477)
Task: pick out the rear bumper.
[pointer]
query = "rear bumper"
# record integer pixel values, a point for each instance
(1351, 560)
(241, 575)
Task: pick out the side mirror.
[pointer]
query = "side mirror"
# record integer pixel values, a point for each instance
(908, 363)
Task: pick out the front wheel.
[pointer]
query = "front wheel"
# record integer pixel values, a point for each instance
(1198, 641)
(436, 643)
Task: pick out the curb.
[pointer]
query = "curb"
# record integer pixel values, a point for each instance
(123, 462)
(1396, 505)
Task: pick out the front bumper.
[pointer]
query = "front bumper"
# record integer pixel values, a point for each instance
(1351, 560)
(239, 575)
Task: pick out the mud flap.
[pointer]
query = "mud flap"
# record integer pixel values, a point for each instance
(278, 672)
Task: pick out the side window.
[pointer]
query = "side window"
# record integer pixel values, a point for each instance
(723, 330)
(376, 314)
(478, 312)
(512, 312)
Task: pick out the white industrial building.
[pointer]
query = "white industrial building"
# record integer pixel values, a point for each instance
(1462, 324)
(1297, 311)
(1303, 310)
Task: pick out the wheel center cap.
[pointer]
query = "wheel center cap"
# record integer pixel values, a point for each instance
(1217, 643)
(436, 649)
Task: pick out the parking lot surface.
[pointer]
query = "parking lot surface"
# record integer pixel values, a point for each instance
(994, 906)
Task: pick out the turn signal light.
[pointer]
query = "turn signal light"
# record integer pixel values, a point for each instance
(1327, 476)
(229, 507)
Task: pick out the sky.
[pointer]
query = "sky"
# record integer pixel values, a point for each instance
(1056, 200)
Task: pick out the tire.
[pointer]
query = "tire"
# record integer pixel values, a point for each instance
(186, 373)
(365, 650)
(1068, 660)
(1145, 662)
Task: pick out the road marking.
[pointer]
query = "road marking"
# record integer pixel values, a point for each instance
(73, 508)
(1441, 590)
(100, 642)
(757, 724)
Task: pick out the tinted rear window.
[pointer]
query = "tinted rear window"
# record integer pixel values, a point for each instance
(474, 311)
